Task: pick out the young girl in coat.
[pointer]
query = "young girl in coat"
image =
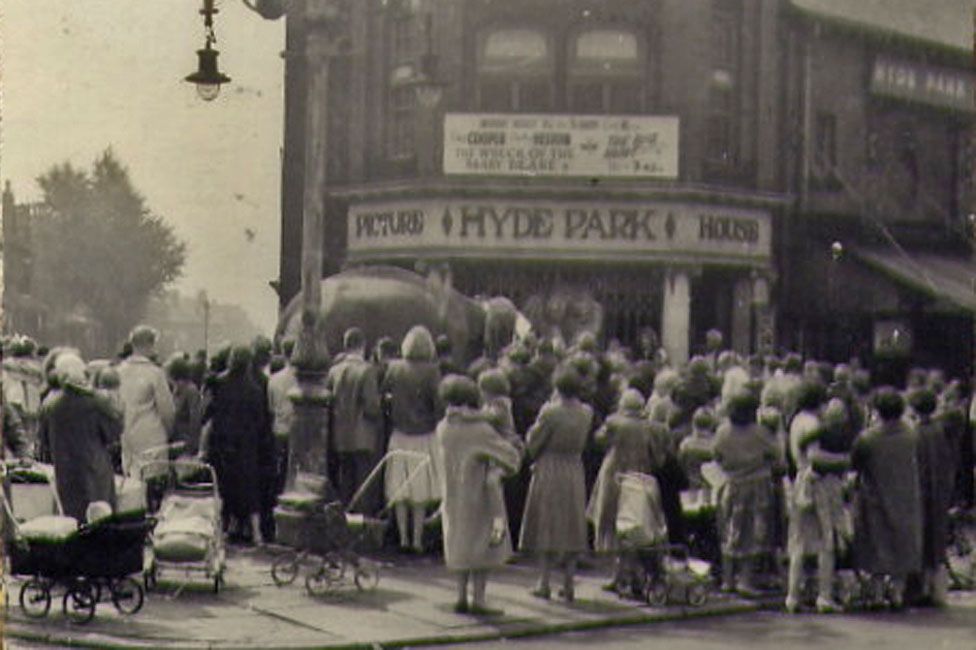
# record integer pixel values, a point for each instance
(496, 405)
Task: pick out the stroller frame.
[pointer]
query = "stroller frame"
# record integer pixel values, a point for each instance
(330, 567)
(211, 567)
(99, 558)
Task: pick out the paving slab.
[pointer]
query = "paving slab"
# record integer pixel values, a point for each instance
(411, 605)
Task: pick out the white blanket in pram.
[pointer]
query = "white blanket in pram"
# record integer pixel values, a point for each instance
(640, 517)
(186, 528)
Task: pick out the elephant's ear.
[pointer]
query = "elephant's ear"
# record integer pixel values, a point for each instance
(500, 319)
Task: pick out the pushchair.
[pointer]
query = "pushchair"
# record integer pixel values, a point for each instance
(188, 536)
(332, 538)
(88, 561)
(659, 572)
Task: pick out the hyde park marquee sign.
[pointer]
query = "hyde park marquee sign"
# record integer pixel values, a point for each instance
(544, 229)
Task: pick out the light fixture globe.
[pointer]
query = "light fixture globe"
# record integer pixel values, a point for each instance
(207, 77)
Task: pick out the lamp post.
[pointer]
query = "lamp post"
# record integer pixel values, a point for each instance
(307, 440)
(208, 77)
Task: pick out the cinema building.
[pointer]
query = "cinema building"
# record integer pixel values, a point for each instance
(646, 156)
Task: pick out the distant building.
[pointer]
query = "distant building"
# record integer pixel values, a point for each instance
(880, 100)
(189, 324)
(686, 164)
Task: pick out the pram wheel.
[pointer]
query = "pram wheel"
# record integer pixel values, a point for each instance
(284, 569)
(127, 595)
(327, 577)
(367, 575)
(656, 593)
(35, 598)
(697, 595)
(79, 603)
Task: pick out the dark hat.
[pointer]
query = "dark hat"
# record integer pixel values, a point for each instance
(923, 401)
(889, 403)
(458, 390)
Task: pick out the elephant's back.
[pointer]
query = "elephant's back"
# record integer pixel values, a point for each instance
(382, 301)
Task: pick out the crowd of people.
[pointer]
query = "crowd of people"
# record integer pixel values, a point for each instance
(760, 464)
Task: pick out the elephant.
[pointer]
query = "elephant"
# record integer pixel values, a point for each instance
(388, 301)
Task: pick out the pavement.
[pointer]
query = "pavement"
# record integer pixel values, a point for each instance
(412, 605)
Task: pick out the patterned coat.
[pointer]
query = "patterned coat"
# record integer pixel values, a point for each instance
(555, 508)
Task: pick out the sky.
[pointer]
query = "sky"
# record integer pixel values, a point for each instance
(79, 77)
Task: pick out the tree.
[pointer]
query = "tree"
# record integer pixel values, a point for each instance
(101, 253)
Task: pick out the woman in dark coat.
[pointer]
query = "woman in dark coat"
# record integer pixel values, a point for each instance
(241, 430)
(554, 522)
(888, 504)
(936, 464)
(77, 431)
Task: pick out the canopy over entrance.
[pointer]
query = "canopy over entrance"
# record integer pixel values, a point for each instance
(945, 277)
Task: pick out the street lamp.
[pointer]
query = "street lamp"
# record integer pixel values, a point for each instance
(207, 76)
(425, 83)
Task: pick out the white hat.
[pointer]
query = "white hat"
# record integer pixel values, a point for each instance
(70, 371)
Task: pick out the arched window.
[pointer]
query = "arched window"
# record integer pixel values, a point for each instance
(606, 72)
(515, 71)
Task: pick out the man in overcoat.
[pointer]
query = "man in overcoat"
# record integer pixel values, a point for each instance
(356, 418)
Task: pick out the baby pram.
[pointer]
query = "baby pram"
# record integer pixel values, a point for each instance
(659, 572)
(332, 538)
(188, 535)
(88, 561)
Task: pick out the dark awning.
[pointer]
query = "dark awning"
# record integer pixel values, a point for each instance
(948, 277)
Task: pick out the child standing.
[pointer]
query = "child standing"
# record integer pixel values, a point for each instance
(496, 405)
(693, 452)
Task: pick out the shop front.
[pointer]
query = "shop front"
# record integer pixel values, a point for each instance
(679, 265)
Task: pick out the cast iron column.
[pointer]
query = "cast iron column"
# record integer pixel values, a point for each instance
(307, 442)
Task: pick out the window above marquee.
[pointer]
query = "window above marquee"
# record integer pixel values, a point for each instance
(605, 51)
(605, 71)
(515, 51)
(516, 70)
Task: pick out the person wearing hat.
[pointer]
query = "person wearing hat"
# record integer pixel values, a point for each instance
(77, 431)
(554, 521)
(633, 444)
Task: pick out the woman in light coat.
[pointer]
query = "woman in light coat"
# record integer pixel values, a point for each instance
(470, 451)
(149, 407)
